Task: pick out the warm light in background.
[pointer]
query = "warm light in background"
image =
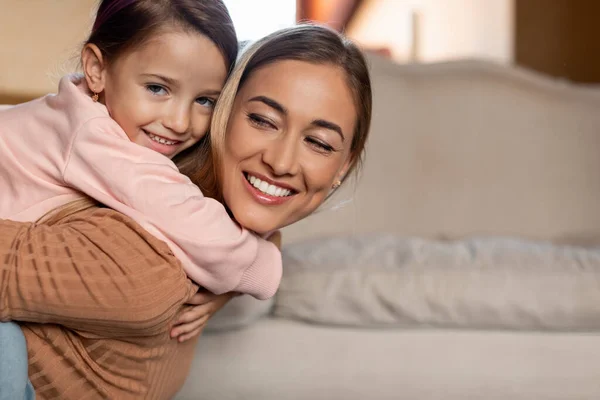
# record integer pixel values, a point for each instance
(436, 30)
(255, 19)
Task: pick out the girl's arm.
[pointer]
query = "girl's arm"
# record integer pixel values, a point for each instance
(95, 271)
(145, 185)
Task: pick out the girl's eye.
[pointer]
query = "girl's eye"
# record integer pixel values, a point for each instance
(319, 145)
(205, 102)
(156, 89)
(260, 122)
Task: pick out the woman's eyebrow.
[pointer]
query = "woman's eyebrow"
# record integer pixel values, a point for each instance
(321, 123)
(271, 103)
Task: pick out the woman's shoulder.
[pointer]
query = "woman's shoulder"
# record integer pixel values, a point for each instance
(96, 260)
(105, 225)
(103, 233)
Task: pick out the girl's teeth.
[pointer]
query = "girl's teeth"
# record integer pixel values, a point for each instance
(161, 140)
(264, 187)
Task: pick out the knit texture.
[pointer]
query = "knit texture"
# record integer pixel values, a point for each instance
(107, 293)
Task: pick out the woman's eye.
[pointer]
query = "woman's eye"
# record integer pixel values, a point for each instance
(156, 89)
(206, 102)
(261, 122)
(319, 145)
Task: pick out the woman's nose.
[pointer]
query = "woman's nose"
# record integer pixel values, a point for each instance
(281, 155)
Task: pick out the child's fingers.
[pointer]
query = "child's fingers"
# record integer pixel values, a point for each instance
(189, 327)
(188, 336)
(202, 297)
(195, 317)
(193, 314)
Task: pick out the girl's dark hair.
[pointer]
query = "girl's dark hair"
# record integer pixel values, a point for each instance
(123, 25)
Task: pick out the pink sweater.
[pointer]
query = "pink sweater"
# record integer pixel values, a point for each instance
(54, 148)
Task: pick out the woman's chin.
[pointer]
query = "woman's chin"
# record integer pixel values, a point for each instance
(253, 223)
(261, 221)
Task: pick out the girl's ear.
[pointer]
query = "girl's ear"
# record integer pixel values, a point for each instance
(94, 67)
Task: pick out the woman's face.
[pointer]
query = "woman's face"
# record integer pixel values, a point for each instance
(287, 142)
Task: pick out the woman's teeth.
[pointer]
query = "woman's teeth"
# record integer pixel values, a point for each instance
(161, 140)
(264, 187)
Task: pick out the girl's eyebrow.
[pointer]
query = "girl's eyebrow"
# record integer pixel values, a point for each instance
(174, 82)
(213, 92)
(169, 81)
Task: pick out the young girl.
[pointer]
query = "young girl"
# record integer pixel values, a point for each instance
(153, 70)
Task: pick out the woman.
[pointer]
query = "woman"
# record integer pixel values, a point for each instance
(97, 295)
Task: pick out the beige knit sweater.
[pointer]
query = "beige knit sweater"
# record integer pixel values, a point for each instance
(97, 296)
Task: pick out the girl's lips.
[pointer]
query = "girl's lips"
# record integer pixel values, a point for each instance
(261, 197)
(168, 150)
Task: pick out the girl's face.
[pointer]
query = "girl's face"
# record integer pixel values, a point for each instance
(287, 142)
(162, 94)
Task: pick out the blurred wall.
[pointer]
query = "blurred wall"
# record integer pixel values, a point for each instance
(559, 37)
(39, 42)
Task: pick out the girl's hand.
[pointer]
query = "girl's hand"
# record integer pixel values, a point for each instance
(204, 305)
(192, 322)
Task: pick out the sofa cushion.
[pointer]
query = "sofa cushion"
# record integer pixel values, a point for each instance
(390, 281)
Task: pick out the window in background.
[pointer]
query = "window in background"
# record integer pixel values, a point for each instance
(257, 18)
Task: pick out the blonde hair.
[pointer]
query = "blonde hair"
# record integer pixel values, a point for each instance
(305, 42)
(53, 217)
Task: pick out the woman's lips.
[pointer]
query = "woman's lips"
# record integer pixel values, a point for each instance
(266, 193)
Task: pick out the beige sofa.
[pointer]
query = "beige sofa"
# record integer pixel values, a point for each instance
(458, 150)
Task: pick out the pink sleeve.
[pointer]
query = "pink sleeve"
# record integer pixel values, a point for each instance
(146, 186)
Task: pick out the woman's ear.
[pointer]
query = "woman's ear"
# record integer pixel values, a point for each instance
(94, 67)
(343, 171)
(339, 177)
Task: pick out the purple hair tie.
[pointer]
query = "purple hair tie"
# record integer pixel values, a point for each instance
(110, 10)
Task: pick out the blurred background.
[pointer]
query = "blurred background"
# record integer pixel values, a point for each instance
(40, 39)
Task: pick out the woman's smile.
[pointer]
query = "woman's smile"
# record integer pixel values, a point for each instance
(266, 191)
